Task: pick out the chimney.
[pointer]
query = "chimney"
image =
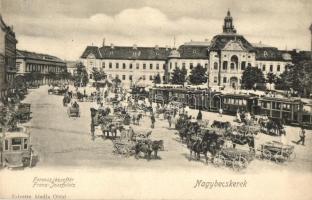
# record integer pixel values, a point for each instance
(103, 44)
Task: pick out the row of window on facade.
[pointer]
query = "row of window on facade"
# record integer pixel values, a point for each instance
(191, 65)
(234, 66)
(278, 68)
(130, 77)
(137, 66)
(41, 68)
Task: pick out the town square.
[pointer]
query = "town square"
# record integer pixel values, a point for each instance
(138, 86)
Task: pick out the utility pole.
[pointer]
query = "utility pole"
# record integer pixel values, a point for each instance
(311, 39)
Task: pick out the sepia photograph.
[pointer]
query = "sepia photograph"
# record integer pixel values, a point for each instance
(145, 99)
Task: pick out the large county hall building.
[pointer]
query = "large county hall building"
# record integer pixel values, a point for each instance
(226, 56)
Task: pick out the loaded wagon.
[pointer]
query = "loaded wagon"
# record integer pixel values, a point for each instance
(23, 112)
(73, 111)
(277, 152)
(236, 158)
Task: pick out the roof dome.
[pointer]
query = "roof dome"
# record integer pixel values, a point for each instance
(174, 54)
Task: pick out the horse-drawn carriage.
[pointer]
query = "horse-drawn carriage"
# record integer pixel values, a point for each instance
(277, 152)
(73, 111)
(57, 90)
(136, 141)
(236, 158)
(270, 126)
(15, 149)
(23, 112)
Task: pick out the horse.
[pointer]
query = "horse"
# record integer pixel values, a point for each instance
(270, 126)
(66, 100)
(144, 147)
(241, 139)
(221, 125)
(147, 147)
(211, 142)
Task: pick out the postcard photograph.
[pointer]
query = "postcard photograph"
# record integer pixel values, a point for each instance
(144, 99)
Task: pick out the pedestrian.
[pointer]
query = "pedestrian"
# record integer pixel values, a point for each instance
(199, 116)
(92, 130)
(153, 120)
(283, 138)
(220, 112)
(302, 136)
(169, 120)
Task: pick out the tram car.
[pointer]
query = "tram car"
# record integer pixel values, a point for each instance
(16, 151)
(139, 92)
(292, 111)
(231, 103)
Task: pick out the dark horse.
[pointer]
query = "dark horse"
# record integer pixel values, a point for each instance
(147, 147)
(66, 100)
(242, 139)
(211, 142)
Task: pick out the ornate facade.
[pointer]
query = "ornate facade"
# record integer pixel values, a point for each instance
(226, 56)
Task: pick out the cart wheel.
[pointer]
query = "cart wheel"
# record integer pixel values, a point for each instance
(26, 162)
(258, 155)
(239, 163)
(278, 157)
(292, 156)
(266, 154)
(219, 161)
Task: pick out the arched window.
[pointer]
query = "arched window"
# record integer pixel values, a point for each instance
(215, 65)
(234, 62)
(225, 63)
(232, 66)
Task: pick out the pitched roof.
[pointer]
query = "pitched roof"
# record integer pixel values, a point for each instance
(128, 53)
(91, 49)
(269, 54)
(193, 52)
(218, 42)
(37, 56)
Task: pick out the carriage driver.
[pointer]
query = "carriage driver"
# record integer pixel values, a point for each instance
(75, 105)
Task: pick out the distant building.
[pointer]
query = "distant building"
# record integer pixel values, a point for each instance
(71, 66)
(7, 57)
(226, 56)
(129, 64)
(29, 62)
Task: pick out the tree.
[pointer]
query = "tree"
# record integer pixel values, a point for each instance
(157, 79)
(81, 74)
(297, 77)
(252, 76)
(178, 76)
(98, 75)
(198, 75)
(271, 78)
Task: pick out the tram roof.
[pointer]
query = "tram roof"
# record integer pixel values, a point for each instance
(290, 100)
(16, 135)
(250, 96)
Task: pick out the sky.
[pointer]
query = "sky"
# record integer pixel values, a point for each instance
(65, 27)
